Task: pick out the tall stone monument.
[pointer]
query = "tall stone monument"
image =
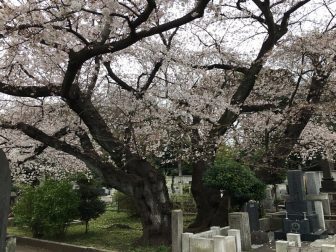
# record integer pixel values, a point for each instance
(327, 184)
(5, 189)
(299, 217)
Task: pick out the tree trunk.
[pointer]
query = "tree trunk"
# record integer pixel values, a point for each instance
(86, 227)
(212, 208)
(152, 201)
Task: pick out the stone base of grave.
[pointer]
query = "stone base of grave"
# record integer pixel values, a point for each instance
(259, 237)
(328, 185)
(331, 226)
(297, 223)
(319, 234)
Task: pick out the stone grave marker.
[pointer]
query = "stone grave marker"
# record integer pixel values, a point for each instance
(252, 208)
(327, 184)
(299, 219)
(268, 202)
(177, 230)
(5, 189)
(313, 188)
(240, 220)
(257, 236)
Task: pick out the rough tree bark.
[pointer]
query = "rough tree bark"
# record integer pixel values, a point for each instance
(212, 208)
(152, 201)
(296, 124)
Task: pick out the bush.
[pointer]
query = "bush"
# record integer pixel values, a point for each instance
(184, 202)
(235, 178)
(125, 203)
(47, 208)
(90, 205)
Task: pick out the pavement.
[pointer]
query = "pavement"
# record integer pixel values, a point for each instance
(29, 249)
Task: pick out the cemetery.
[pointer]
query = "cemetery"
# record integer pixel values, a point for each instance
(305, 221)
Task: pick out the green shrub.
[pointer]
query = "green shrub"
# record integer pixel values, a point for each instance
(235, 178)
(90, 205)
(125, 203)
(47, 208)
(184, 202)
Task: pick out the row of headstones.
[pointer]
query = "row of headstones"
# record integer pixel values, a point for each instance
(293, 244)
(233, 238)
(319, 201)
(215, 240)
(281, 192)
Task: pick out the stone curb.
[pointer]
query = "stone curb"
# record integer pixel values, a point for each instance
(54, 246)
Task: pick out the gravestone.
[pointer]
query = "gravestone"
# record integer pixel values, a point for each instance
(312, 183)
(257, 236)
(177, 230)
(327, 184)
(5, 189)
(299, 219)
(252, 208)
(268, 202)
(240, 220)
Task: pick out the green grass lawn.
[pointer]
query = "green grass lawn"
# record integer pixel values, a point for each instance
(104, 233)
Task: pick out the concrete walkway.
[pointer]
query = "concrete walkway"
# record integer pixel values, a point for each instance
(29, 249)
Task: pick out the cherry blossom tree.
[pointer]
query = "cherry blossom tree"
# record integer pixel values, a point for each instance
(59, 55)
(238, 79)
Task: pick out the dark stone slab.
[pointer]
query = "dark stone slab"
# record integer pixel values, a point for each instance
(296, 187)
(299, 218)
(252, 208)
(5, 190)
(297, 226)
(327, 184)
(320, 234)
(295, 207)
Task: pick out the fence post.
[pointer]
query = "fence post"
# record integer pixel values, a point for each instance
(177, 229)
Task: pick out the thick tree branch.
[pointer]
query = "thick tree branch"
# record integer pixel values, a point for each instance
(76, 59)
(257, 107)
(118, 81)
(98, 128)
(240, 69)
(94, 78)
(30, 91)
(151, 76)
(114, 177)
(94, 50)
(151, 5)
(275, 33)
(42, 137)
(39, 149)
(85, 142)
(286, 16)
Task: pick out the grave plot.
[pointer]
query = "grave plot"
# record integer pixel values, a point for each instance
(299, 218)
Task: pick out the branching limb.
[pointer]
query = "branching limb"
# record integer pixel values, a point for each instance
(118, 81)
(40, 148)
(240, 69)
(94, 78)
(30, 91)
(257, 107)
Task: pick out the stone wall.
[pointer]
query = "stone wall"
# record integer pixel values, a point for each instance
(217, 239)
